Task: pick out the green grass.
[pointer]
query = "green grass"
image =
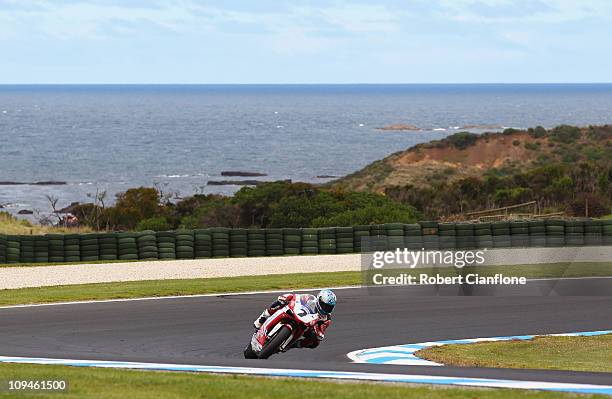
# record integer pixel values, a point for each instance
(159, 288)
(137, 289)
(550, 353)
(107, 383)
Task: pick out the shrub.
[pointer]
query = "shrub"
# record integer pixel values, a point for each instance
(462, 140)
(532, 146)
(537, 132)
(565, 134)
(598, 206)
(516, 143)
(510, 131)
(157, 223)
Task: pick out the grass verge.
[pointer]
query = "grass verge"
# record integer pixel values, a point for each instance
(548, 353)
(159, 288)
(106, 383)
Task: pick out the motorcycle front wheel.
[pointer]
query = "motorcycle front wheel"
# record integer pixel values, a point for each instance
(248, 352)
(271, 347)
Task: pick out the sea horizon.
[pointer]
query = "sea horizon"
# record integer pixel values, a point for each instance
(182, 136)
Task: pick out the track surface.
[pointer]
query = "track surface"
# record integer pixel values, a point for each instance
(214, 330)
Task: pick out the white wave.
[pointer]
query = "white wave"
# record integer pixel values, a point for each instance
(439, 129)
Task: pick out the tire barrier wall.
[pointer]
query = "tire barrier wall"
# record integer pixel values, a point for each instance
(223, 242)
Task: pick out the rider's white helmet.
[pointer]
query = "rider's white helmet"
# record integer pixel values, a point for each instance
(326, 301)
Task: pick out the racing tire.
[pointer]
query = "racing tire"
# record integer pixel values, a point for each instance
(271, 347)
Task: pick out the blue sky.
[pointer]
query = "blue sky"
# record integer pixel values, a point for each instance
(318, 41)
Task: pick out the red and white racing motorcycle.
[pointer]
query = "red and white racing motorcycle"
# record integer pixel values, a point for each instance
(283, 328)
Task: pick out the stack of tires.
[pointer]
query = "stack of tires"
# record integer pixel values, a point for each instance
(3, 247)
(555, 232)
(483, 237)
(72, 248)
(593, 230)
(203, 247)
(56, 248)
(90, 249)
(519, 233)
(220, 242)
(429, 229)
(27, 249)
(327, 240)
(537, 233)
(447, 235)
(292, 241)
(185, 244)
(166, 245)
(13, 249)
(344, 240)
(274, 242)
(127, 247)
(606, 231)
(413, 236)
(574, 233)
(360, 233)
(147, 245)
(256, 240)
(108, 246)
(238, 243)
(395, 235)
(310, 241)
(465, 235)
(501, 234)
(41, 249)
(378, 242)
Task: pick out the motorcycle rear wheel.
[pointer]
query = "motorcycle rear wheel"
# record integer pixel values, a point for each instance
(271, 347)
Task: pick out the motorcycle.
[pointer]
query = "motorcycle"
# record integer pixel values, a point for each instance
(283, 328)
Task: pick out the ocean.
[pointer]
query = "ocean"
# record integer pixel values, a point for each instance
(180, 137)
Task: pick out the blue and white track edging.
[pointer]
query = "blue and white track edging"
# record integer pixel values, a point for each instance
(405, 354)
(341, 375)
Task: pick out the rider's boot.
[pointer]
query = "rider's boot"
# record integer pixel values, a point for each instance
(261, 319)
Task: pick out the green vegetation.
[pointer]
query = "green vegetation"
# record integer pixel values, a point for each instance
(565, 177)
(160, 288)
(551, 353)
(462, 140)
(275, 204)
(110, 383)
(565, 134)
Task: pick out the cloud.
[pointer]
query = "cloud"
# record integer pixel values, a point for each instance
(308, 38)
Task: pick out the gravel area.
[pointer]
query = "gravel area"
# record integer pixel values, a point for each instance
(21, 277)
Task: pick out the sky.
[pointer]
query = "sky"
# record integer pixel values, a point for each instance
(317, 41)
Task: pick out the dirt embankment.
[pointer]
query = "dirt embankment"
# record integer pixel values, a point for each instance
(466, 154)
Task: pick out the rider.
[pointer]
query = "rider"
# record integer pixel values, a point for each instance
(325, 303)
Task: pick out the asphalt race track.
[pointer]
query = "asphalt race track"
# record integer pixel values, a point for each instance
(214, 330)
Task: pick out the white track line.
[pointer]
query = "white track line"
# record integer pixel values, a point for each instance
(338, 375)
(405, 355)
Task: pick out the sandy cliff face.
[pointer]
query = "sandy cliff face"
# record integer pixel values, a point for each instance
(452, 159)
